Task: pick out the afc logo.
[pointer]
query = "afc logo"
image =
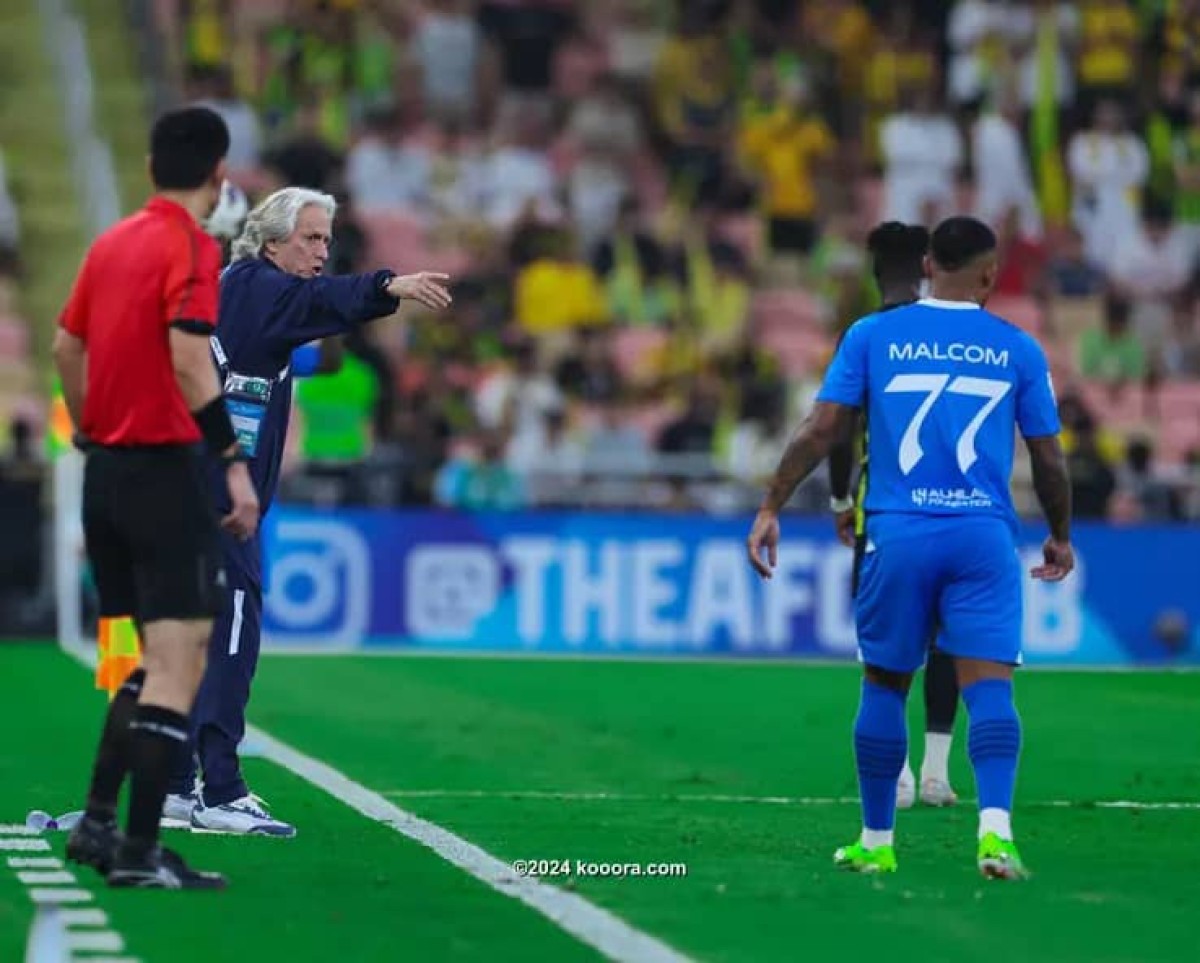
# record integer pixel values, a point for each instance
(318, 591)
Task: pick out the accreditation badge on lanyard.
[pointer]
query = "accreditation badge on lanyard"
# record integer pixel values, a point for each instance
(246, 398)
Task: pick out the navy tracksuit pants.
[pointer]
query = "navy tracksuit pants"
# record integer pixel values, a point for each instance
(218, 718)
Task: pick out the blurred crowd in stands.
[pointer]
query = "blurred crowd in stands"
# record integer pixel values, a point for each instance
(21, 472)
(654, 214)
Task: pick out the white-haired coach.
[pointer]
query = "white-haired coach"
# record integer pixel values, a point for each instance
(274, 299)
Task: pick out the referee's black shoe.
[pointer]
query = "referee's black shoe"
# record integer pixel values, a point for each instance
(159, 868)
(94, 843)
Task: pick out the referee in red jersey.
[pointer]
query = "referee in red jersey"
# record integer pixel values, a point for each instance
(132, 351)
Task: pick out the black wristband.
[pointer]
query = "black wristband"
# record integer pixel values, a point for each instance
(214, 424)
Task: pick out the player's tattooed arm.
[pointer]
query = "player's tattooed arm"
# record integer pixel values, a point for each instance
(1052, 484)
(826, 426)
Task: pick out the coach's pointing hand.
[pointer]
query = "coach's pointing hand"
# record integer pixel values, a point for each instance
(426, 288)
(242, 520)
(764, 535)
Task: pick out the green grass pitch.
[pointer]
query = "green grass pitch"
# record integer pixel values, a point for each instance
(741, 771)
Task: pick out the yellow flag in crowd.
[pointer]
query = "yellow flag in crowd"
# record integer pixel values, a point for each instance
(1047, 156)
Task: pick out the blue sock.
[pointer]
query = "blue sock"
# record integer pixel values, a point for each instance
(880, 745)
(993, 741)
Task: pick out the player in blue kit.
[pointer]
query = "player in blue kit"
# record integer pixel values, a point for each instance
(944, 385)
(898, 254)
(274, 301)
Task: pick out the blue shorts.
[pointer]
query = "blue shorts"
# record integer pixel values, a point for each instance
(919, 575)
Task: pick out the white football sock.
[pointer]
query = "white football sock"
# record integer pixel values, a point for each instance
(998, 821)
(906, 774)
(936, 764)
(873, 838)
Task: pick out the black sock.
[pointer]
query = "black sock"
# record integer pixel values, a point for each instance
(112, 756)
(158, 736)
(941, 692)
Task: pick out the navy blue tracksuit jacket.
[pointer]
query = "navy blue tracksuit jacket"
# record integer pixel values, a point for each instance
(265, 315)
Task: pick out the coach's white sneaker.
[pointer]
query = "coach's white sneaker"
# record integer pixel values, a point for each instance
(247, 816)
(937, 792)
(906, 789)
(178, 809)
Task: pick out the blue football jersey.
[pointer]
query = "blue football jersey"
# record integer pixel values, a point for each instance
(945, 386)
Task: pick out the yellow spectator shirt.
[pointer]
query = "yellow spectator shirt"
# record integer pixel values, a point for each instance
(558, 295)
(781, 147)
(693, 85)
(1109, 38)
(1181, 40)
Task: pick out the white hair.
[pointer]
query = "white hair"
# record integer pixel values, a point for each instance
(275, 219)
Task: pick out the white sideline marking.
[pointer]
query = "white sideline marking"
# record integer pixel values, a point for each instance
(50, 877)
(588, 923)
(96, 941)
(57, 894)
(23, 845)
(762, 800)
(83, 917)
(14, 829)
(34, 862)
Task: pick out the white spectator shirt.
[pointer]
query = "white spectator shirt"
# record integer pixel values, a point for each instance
(1149, 270)
(595, 190)
(510, 178)
(971, 22)
(382, 175)
(597, 124)
(1023, 29)
(921, 155)
(1002, 178)
(245, 133)
(1107, 171)
(753, 454)
(634, 51)
(531, 397)
(448, 50)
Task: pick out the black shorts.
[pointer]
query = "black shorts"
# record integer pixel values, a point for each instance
(151, 534)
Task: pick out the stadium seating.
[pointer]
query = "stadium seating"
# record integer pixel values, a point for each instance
(631, 346)
(1022, 311)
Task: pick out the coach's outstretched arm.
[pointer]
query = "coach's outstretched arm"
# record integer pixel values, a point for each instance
(1052, 484)
(306, 309)
(827, 425)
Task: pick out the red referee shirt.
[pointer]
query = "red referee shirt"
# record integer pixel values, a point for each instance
(144, 273)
